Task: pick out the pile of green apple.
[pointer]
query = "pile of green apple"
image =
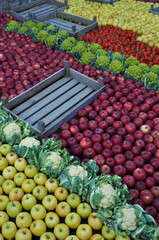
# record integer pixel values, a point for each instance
(32, 206)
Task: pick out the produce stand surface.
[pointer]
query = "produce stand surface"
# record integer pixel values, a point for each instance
(154, 10)
(54, 100)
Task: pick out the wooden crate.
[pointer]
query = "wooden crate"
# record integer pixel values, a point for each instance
(4, 5)
(104, 1)
(54, 100)
(35, 9)
(154, 10)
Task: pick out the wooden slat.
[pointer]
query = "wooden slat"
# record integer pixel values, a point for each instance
(66, 24)
(38, 96)
(55, 104)
(28, 5)
(66, 106)
(33, 10)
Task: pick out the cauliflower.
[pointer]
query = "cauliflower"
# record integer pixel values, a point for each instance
(22, 30)
(67, 44)
(116, 66)
(129, 219)
(151, 78)
(29, 142)
(12, 26)
(34, 30)
(117, 55)
(131, 61)
(50, 40)
(77, 171)
(30, 24)
(40, 25)
(155, 69)
(144, 68)
(11, 128)
(78, 50)
(101, 52)
(94, 47)
(81, 43)
(62, 33)
(56, 159)
(50, 27)
(134, 71)
(109, 193)
(72, 39)
(102, 61)
(42, 35)
(87, 57)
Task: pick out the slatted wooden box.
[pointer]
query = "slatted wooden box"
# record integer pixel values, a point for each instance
(35, 9)
(154, 10)
(54, 100)
(104, 1)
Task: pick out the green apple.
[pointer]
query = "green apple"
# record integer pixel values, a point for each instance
(73, 200)
(3, 163)
(38, 227)
(84, 210)
(124, 236)
(72, 237)
(3, 218)
(61, 231)
(40, 178)
(1, 190)
(84, 231)
(16, 194)
(49, 202)
(8, 185)
(9, 172)
(23, 220)
(30, 171)
(11, 157)
(28, 185)
(4, 200)
(48, 236)
(23, 234)
(1, 237)
(19, 178)
(52, 219)
(13, 208)
(73, 220)
(108, 233)
(9, 230)
(63, 209)
(5, 149)
(2, 179)
(20, 164)
(94, 221)
(97, 236)
(28, 201)
(61, 193)
(51, 185)
(38, 212)
(39, 192)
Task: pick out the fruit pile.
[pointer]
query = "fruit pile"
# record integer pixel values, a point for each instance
(119, 130)
(31, 205)
(115, 39)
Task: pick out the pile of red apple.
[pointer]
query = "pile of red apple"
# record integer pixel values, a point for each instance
(120, 131)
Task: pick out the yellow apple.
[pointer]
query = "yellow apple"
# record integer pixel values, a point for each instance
(23, 220)
(3, 163)
(97, 236)
(61, 193)
(3, 218)
(52, 219)
(84, 231)
(108, 233)
(63, 209)
(9, 230)
(94, 221)
(61, 231)
(38, 227)
(11, 157)
(51, 185)
(5, 149)
(20, 164)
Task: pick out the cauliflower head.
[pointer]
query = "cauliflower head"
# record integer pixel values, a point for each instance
(12, 26)
(77, 171)
(102, 61)
(116, 66)
(51, 40)
(129, 219)
(94, 47)
(40, 25)
(144, 68)
(87, 57)
(109, 193)
(22, 30)
(101, 52)
(11, 128)
(151, 77)
(155, 69)
(30, 24)
(42, 35)
(55, 158)
(50, 27)
(131, 61)
(134, 71)
(62, 33)
(67, 44)
(78, 49)
(29, 142)
(117, 55)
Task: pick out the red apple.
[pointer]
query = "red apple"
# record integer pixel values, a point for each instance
(155, 163)
(76, 149)
(155, 191)
(129, 181)
(130, 166)
(150, 182)
(65, 134)
(134, 192)
(119, 170)
(149, 169)
(87, 133)
(74, 129)
(100, 160)
(156, 176)
(151, 211)
(138, 201)
(86, 142)
(105, 169)
(139, 174)
(110, 162)
(79, 136)
(88, 152)
(119, 159)
(146, 196)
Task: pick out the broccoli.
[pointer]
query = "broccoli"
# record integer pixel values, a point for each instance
(67, 44)
(117, 55)
(144, 68)
(12, 26)
(101, 52)
(155, 69)
(22, 30)
(131, 61)
(102, 61)
(50, 27)
(62, 33)
(40, 25)
(50, 40)
(94, 47)
(151, 78)
(30, 24)
(87, 57)
(116, 66)
(42, 35)
(134, 71)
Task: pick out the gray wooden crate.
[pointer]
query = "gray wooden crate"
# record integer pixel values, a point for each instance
(154, 10)
(104, 1)
(4, 5)
(35, 9)
(54, 100)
